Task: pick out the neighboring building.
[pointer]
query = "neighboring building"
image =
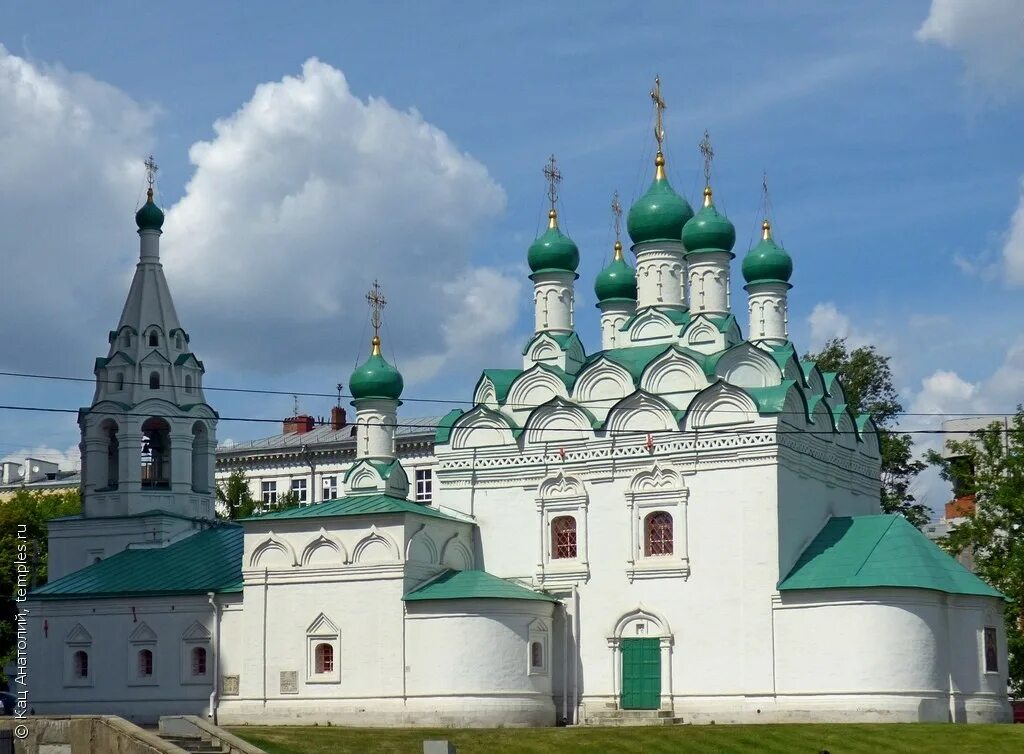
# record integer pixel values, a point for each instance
(37, 475)
(311, 458)
(683, 524)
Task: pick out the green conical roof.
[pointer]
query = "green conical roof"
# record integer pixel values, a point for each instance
(660, 214)
(767, 262)
(709, 230)
(149, 216)
(617, 280)
(553, 250)
(375, 378)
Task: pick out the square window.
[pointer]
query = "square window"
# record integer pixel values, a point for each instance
(330, 487)
(991, 650)
(299, 488)
(269, 490)
(424, 485)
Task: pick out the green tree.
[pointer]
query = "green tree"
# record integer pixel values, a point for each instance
(990, 466)
(233, 493)
(867, 382)
(23, 530)
(290, 499)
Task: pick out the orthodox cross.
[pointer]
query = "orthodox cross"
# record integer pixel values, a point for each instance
(617, 212)
(766, 226)
(377, 303)
(295, 405)
(554, 176)
(151, 168)
(709, 156)
(659, 110)
(339, 393)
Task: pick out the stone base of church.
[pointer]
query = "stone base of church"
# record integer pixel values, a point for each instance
(828, 708)
(464, 711)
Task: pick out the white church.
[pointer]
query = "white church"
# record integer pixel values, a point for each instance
(681, 526)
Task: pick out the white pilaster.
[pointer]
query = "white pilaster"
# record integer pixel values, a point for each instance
(708, 275)
(614, 314)
(768, 309)
(660, 274)
(375, 428)
(553, 301)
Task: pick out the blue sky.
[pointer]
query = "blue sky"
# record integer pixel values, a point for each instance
(889, 131)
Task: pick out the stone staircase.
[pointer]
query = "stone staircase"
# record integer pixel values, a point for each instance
(195, 744)
(611, 716)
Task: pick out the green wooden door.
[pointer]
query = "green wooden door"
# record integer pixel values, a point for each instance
(641, 673)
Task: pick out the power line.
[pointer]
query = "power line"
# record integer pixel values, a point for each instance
(659, 430)
(405, 399)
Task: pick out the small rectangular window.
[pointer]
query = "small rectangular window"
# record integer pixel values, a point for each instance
(424, 485)
(991, 650)
(330, 487)
(269, 492)
(299, 488)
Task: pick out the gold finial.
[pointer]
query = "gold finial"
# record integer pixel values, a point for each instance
(659, 125)
(766, 230)
(709, 156)
(151, 168)
(554, 176)
(377, 302)
(707, 196)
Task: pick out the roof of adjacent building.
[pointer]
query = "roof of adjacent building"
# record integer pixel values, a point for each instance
(879, 551)
(209, 561)
(355, 505)
(465, 585)
(64, 480)
(324, 435)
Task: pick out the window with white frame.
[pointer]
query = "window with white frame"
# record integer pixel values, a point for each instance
(537, 648)
(269, 491)
(78, 670)
(299, 488)
(562, 508)
(424, 485)
(323, 651)
(656, 501)
(330, 487)
(991, 649)
(196, 655)
(142, 646)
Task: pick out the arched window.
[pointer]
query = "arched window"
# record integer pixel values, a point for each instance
(177, 341)
(126, 340)
(154, 339)
(536, 655)
(188, 384)
(80, 664)
(200, 467)
(563, 537)
(145, 663)
(109, 429)
(199, 661)
(119, 381)
(324, 662)
(658, 534)
(156, 454)
(154, 380)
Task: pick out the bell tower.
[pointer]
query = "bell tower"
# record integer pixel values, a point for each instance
(149, 437)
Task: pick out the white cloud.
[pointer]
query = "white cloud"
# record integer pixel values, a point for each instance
(1013, 246)
(986, 34)
(70, 170)
(827, 322)
(304, 196)
(66, 460)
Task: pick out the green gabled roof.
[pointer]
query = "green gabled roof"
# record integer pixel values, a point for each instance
(863, 422)
(502, 380)
(770, 400)
(566, 378)
(209, 561)
(807, 367)
(675, 316)
(356, 505)
(633, 360)
(467, 585)
(384, 468)
(828, 378)
(879, 551)
(724, 324)
(444, 427)
(185, 357)
(564, 340)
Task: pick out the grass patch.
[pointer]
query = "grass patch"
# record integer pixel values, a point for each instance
(837, 739)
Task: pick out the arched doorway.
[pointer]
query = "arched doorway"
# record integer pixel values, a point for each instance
(156, 454)
(641, 646)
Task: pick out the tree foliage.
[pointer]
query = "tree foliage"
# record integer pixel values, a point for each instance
(23, 520)
(990, 466)
(867, 382)
(234, 495)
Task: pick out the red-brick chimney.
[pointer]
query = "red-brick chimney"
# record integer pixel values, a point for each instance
(297, 425)
(338, 419)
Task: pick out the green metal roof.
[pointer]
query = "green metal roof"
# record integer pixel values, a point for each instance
(502, 380)
(382, 467)
(879, 551)
(633, 360)
(444, 427)
(209, 561)
(675, 316)
(562, 340)
(359, 505)
(771, 399)
(465, 585)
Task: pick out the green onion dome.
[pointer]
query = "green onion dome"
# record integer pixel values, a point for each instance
(660, 214)
(375, 378)
(767, 262)
(617, 280)
(709, 230)
(149, 216)
(553, 250)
